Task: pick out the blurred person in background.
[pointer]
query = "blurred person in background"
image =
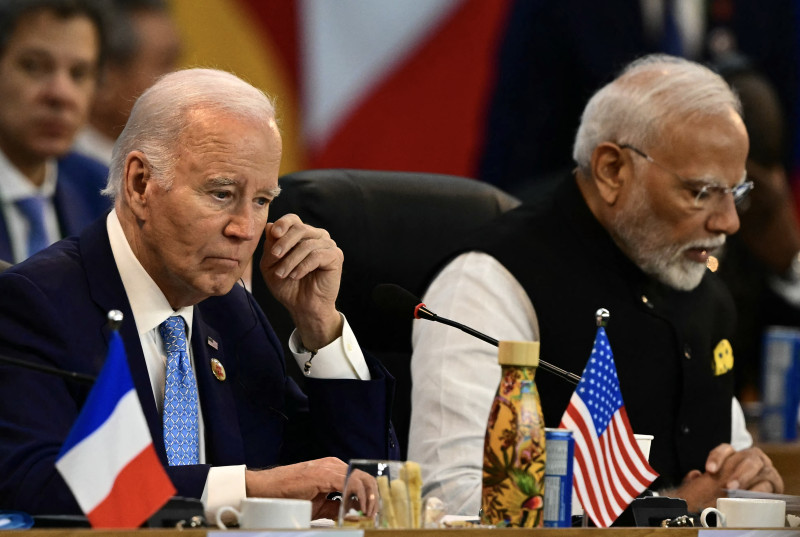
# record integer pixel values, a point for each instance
(761, 263)
(50, 52)
(143, 44)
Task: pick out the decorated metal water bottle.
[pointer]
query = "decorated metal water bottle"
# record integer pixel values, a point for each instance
(514, 448)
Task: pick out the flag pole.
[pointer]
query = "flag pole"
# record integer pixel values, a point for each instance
(601, 316)
(115, 318)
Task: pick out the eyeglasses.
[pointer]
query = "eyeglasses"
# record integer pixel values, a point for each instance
(706, 193)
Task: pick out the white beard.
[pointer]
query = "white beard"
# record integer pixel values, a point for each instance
(640, 235)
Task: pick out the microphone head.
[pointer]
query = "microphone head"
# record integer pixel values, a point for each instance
(399, 302)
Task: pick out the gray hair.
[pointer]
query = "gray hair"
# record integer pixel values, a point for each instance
(163, 113)
(650, 93)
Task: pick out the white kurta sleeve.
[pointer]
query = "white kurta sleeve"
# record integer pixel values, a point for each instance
(455, 375)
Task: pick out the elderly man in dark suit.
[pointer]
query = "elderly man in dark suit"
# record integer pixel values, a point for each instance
(192, 176)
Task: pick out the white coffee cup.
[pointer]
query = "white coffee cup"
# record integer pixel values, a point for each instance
(272, 513)
(747, 513)
(644, 441)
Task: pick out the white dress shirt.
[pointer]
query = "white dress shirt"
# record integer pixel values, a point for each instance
(455, 376)
(15, 186)
(225, 485)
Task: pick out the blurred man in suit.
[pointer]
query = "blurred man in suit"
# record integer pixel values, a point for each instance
(50, 51)
(143, 44)
(660, 157)
(192, 176)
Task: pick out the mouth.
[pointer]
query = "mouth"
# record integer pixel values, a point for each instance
(700, 253)
(56, 128)
(230, 262)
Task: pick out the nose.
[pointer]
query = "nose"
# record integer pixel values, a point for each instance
(723, 217)
(61, 88)
(242, 224)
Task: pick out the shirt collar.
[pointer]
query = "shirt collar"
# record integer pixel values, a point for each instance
(150, 306)
(16, 186)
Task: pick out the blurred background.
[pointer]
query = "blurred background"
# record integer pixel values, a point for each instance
(363, 84)
(412, 85)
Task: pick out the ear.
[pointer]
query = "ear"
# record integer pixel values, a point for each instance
(135, 183)
(611, 168)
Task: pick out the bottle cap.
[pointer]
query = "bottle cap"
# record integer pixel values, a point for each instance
(522, 353)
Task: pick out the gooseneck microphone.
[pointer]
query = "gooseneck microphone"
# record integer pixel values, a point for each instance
(63, 373)
(393, 299)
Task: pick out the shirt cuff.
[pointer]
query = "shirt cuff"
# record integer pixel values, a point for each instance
(342, 358)
(225, 485)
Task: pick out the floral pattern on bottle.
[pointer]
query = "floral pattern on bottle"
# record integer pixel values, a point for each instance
(514, 453)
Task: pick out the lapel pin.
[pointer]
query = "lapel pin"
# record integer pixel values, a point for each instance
(218, 369)
(213, 343)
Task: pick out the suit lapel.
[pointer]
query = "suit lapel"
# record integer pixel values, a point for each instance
(222, 434)
(105, 286)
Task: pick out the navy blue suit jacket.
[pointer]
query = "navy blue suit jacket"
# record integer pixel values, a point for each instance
(53, 310)
(77, 198)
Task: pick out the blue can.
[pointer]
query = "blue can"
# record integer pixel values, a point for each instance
(558, 478)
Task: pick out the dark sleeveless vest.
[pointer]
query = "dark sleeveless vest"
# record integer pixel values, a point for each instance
(663, 340)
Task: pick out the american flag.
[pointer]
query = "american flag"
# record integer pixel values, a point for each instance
(610, 469)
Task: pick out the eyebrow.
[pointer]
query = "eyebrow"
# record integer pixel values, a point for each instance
(713, 181)
(228, 181)
(221, 181)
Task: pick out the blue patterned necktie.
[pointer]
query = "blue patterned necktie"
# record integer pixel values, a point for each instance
(181, 438)
(33, 210)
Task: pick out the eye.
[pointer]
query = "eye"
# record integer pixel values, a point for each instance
(703, 193)
(221, 195)
(82, 73)
(262, 202)
(33, 66)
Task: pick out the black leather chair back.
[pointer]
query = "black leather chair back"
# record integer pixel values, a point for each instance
(393, 227)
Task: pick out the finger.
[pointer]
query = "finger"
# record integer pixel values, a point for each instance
(717, 457)
(328, 258)
(763, 486)
(360, 492)
(283, 224)
(282, 235)
(273, 231)
(751, 462)
(371, 493)
(306, 252)
(289, 231)
(769, 480)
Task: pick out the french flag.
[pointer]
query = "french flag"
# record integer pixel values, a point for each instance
(108, 459)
